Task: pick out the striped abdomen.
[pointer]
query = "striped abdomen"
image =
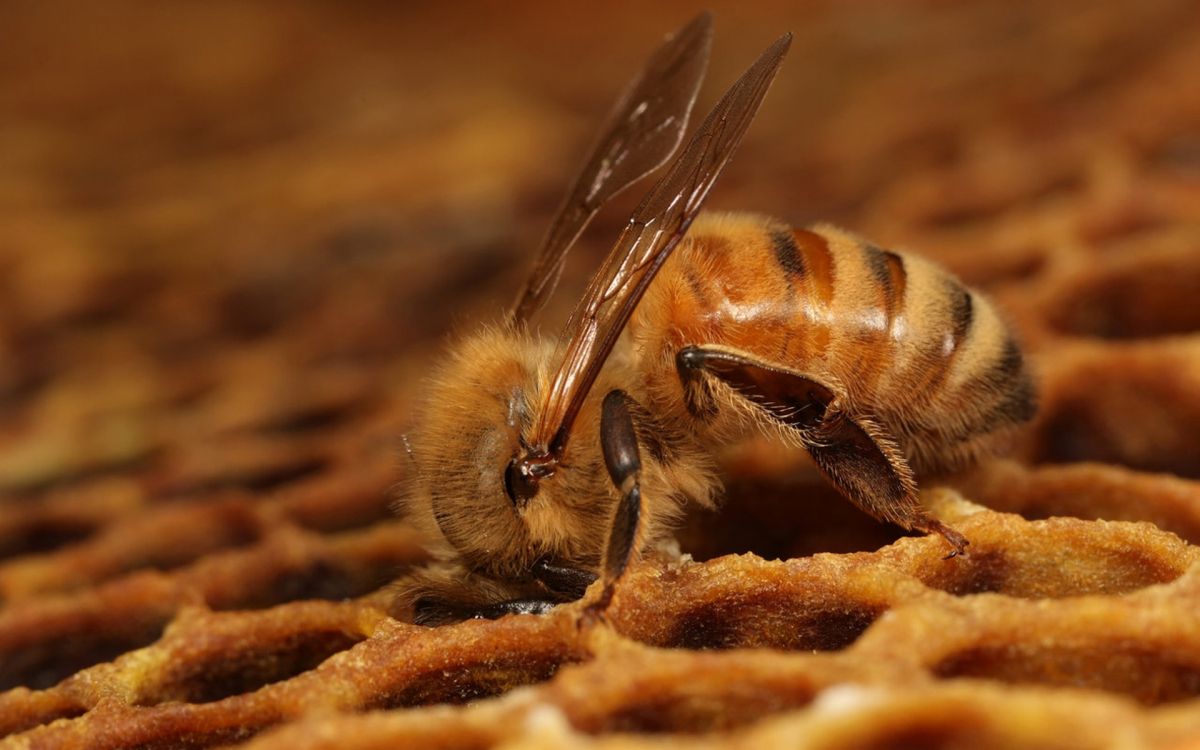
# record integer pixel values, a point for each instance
(898, 337)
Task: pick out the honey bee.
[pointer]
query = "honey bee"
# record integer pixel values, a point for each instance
(540, 464)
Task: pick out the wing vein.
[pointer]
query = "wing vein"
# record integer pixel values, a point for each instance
(656, 227)
(641, 133)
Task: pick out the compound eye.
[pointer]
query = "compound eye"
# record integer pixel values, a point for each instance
(519, 483)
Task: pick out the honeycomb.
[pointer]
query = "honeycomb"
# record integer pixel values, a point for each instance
(232, 236)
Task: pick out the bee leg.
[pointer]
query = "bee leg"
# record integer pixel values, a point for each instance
(618, 439)
(856, 454)
(864, 462)
(435, 612)
(563, 580)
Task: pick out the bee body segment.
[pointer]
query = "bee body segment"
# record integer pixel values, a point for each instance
(898, 338)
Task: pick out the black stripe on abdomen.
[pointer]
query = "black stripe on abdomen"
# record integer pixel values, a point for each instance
(962, 314)
(1006, 391)
(941, 352)
(787, 254)
(888, 272)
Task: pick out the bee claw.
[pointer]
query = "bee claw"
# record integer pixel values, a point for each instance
(592, 615)
(595, 613)
(956, 540)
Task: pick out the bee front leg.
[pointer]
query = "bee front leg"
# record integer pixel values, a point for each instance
(435, 612)
(618, 439)
(445, 593)
(564, 581)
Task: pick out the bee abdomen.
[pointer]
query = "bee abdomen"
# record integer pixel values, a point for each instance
(971, 385)
(922, 352)
(898, 337)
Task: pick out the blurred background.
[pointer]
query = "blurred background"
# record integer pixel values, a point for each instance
(232, 235)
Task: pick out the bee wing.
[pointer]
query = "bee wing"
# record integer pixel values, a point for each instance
(655, 228)
(644, 128)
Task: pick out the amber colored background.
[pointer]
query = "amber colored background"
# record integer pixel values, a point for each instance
(232, 236)
(224, 171)
(218, 217)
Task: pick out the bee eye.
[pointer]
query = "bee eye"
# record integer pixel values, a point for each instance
(519, 483)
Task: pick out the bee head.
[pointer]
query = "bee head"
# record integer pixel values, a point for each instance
(473, 485)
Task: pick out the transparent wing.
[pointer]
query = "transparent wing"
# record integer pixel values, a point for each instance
(642, 131)
(653, 231)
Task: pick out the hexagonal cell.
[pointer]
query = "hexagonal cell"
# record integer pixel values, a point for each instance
(234, 672)
(1136, 409)
(35, 534)
(782, 514)
(694, 712)
(463, 683)
(766, 620)
(668, 692)
(1150, 675)
(1059, 560)
(740, 601)
(1142, 296)
(43, 657)
(461, 678)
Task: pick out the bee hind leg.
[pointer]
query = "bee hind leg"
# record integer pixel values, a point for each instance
(618, 439)
(866, 465)
(855, 453)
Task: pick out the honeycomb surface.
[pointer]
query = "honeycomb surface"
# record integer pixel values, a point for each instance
(232, 236)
